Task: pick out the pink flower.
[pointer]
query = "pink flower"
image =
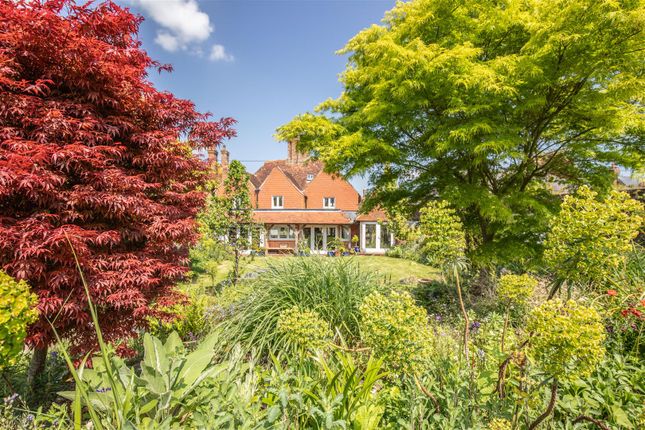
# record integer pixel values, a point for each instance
(612, 293)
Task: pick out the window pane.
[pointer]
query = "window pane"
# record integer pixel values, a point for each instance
(386, 237)
(318, 238)
(344, 233)
(370, 235)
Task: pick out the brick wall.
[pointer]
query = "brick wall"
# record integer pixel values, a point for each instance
(277, 184)
(324, 185)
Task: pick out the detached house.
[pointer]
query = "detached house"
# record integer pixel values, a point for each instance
(303, 208)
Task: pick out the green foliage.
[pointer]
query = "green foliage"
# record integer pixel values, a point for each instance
(332, 287)
(591, 237)
(187, 318)
(17, 311)
(397, 330)
(444, 241)
(207, 255)
(162, 395)
(228, 217)
(614, 393)
(482, 103)
(336, 393)
(515, 290)
(567, 340)
(303, 329)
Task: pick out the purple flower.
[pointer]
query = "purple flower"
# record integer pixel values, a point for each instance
(438, 318)
(30, 417)
(103, 390)
(475, 325)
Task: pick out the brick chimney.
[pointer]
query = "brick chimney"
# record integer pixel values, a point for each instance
(293, 155)
(225, 158)
(212, 156)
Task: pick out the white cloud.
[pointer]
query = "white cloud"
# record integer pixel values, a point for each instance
(218, 53)
(183, 25)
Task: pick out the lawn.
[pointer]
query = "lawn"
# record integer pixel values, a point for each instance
(396, 269)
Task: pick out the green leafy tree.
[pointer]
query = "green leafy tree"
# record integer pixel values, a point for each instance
(229, 214)
(591, 237)
(484, 103)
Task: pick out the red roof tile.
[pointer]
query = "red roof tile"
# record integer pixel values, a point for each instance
(374, 215)
(300, 217)
(297, 173)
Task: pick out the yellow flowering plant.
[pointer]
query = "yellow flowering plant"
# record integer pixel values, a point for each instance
(17, 311)
(303, 329)
(567, 341)
(592, 236)
(397, 330)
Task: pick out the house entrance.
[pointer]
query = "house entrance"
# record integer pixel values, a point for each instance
(316, 237)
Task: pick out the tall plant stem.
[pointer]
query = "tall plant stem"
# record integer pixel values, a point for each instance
(463, 311)
(549, 408)
(504, 330)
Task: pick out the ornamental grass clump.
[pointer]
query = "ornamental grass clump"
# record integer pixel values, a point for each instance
(304, 330)
(17, 311)
(397, 331)
(333, 288)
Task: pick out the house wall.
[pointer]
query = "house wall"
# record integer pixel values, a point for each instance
(324, 185)
(278, 184)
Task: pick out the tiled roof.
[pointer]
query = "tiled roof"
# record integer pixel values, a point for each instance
(374, 215)
(297, 173)
(300, 217)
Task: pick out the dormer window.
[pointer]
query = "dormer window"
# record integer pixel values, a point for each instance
(329, 202)
(277, 202)
(310, 177)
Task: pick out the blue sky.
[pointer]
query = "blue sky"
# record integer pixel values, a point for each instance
(261, 61)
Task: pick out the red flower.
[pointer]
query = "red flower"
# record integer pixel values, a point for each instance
(612, 293)
(624, 312)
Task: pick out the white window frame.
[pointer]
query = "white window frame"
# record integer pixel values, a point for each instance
(282, 232)
(379, 249)
(327, 201)
(310, 177)
(274, 201)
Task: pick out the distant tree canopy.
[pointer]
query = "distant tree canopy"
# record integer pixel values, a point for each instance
(481, 104)
(91, 158)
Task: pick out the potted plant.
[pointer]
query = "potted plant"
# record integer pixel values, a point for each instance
(334, 245)
(357, 248)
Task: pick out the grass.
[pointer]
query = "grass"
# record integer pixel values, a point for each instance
(395, 269)
(333, 288)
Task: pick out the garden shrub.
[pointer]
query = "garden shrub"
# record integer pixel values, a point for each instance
(17, 311)
(303, 329)
(591, 237)
(333, 287)
(397, 330)
(187, 318)
(514, 291)
(567, 341)
(444, 239)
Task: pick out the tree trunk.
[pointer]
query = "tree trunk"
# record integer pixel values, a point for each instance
(484, 283)
(36, 366)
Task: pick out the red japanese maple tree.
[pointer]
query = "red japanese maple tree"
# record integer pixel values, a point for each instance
(92, 153)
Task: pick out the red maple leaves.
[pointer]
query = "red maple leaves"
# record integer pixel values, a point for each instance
(90, 152)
